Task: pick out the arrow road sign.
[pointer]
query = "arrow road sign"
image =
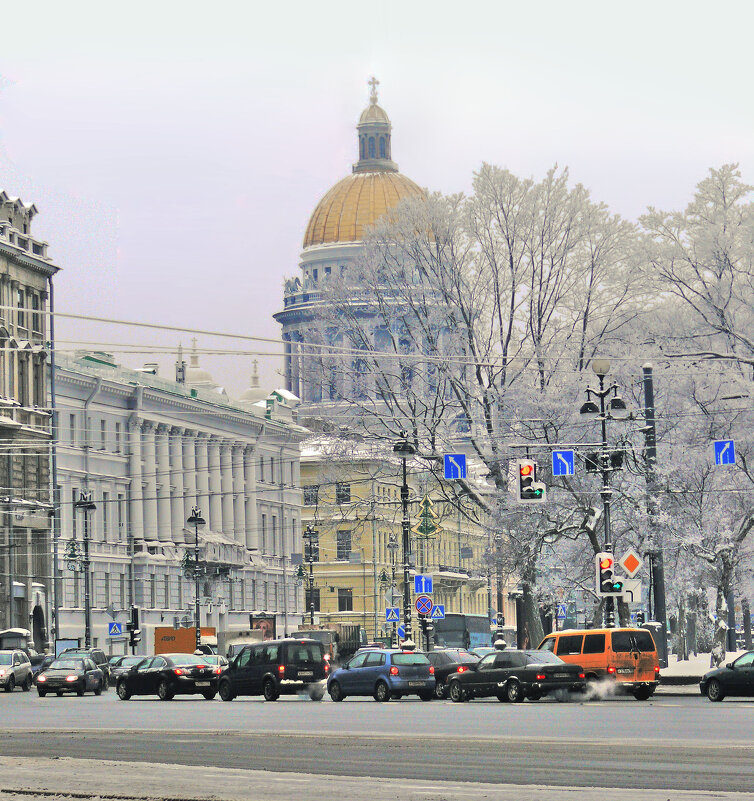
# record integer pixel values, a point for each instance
(423, 604)
(401, 631)
(114, 629)
(422, 584)
(438, 612)
(562, 463)
(455, 466)
(725, 452)
(561, 612)
(392, 614)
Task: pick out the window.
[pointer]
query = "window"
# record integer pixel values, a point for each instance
(72, 428)
(310, 495)
(342, 493)
(117, 437)
(74, 515)
(102, 435)
(121, 508)
(374, 659)
(272, 469)
(315, 273)
(343, 550)
(264, 534)
(105, 515)
(548, 644)
(153, 592)
(621, 641)
(371, 147)
(23, 380)
(244, 657)
(38, 389)
(383, 151)
(594, 644)
(107, 590)
(36, 318)
(345, 600)
(274, 534)
(261, 468)
(21, 297)
(271, 654)
(122, 590)
(167, 592)
(570, 644)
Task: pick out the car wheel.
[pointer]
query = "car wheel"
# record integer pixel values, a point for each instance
(27, 684)
(122, 691)
(335, 692)
(209, 694)
(270, 691)
(11, 685)
(98, 690)
(164, 691)
(456, 692)
(42, 693)
(226, 691)
(428, 695)
(440, 689)
(316, 693)
(80, 692)
(643, 693)
(381, 692)
(513, 692)
(715, 690)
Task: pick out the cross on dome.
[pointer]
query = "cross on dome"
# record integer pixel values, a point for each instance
(374, 83)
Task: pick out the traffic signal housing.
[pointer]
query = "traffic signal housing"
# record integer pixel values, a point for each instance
(134, 632)
(607, 584)
(529, 489)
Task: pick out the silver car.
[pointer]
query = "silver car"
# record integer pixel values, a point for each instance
(15, 671)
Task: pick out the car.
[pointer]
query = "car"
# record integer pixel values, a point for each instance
(122, 664)
(625, 656)
(39, 663)
(168, 675)
(447, 661)
(71, 674)
(482, 650)
(215, 659)
(15, 670)
(736, 678)
(276, 667)
(98, 656)
(513, 675)
(384, 674)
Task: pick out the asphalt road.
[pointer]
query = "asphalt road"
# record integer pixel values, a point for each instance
(674, 743)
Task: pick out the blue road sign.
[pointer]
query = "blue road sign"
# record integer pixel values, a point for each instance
(725, 451)
(423, 604)
(562, 611)
(392, 614)
(422, 584)
(455, 465)
(401, 631)
(114, 629)
(438, 612)
(562, 463)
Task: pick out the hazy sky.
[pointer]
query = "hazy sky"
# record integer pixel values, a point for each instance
(175, 150)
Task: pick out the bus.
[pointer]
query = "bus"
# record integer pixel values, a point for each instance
(462, 631)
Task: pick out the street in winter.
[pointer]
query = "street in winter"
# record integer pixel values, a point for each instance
(376, 401)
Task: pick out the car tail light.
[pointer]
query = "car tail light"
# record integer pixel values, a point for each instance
(71, 678)
(41, 678)
(180, 671)
(200, 667)
(431, 670)
(281, 670)
(657, 668)
(461, 669)
(327, 667)
(610, 669)
(541, 677)
(582, 675)
(393, 671)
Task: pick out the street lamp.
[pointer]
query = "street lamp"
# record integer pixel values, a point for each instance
(392, 546)
(197, 520)
(615, 410)
(403, 448)
(85, 502)
(310, 535)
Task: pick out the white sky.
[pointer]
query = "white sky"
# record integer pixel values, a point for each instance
(176, 149)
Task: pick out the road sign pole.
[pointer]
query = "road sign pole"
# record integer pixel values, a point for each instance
(404, 449)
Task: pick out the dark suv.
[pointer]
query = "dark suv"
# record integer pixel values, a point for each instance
(97, 655)
(276, 667)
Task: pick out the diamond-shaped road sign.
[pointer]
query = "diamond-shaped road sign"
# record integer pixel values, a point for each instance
(562, 463)
(631, 562)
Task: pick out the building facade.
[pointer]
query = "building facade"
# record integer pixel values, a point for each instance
(150, 450)
(26, 274)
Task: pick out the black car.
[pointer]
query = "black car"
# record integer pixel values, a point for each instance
(71, 674)
(122, 664)
(276, 667)
(97, 655)
(513, 675)
(168, 675)
(40, 663)
(736, 678)
(446, 662)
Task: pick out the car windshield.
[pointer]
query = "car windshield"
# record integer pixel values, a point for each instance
(304, 653)
(463, 658)
(6, 659)
(130, 661)
(187, 660)
(542, 658)
(68, 664)
(410, 659)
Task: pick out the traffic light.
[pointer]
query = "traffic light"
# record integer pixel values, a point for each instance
(607, 584)
(640, 618)
(529, 489)
(426, 625)
(134, 632)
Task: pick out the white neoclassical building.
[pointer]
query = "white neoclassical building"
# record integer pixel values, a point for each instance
(149, 450)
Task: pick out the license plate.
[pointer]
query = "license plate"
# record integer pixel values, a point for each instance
(203, 683)
(416, 684)
(562, 675)
(305, 674)
(625, 670)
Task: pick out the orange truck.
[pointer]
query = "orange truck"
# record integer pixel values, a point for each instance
(168, 640)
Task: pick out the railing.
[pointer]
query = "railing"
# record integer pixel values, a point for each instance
(22, 241)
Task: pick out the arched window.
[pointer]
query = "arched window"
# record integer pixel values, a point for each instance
(362, 149)
(383, 153)
(371, 147)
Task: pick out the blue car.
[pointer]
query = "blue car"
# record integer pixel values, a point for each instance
(384, 673)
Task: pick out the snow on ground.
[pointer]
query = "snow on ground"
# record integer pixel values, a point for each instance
(695, 665)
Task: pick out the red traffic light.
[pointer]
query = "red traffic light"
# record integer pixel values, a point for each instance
(606, 562)
(526, 469)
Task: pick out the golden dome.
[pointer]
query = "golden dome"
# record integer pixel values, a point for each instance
(374, 113)
(354, 203)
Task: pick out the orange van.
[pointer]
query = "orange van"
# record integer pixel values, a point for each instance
(628, 656)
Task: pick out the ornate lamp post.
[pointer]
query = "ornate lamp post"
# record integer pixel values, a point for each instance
(85, 502)
(404, 449)
(197, 520)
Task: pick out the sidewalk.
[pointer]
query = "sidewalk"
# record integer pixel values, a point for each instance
(682, 678)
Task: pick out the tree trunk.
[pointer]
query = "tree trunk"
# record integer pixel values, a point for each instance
(533, 632)
(717, 657)
(597, 614)
(681, 649)
(624, 613)
(747, 623)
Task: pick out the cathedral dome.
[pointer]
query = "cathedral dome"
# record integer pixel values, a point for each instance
(375, 187)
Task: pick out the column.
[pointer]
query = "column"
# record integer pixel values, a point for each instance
(215, 519)
(202, 473)
(150, 480)
(162, 448)
(189, 474)
(135, 501)
(177, 485)
(226, 482)
(250, 493)
(239, 510)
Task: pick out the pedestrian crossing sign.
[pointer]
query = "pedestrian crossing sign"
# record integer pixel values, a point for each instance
(392, 614)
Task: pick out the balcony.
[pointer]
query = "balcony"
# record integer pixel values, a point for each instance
(23, 242)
